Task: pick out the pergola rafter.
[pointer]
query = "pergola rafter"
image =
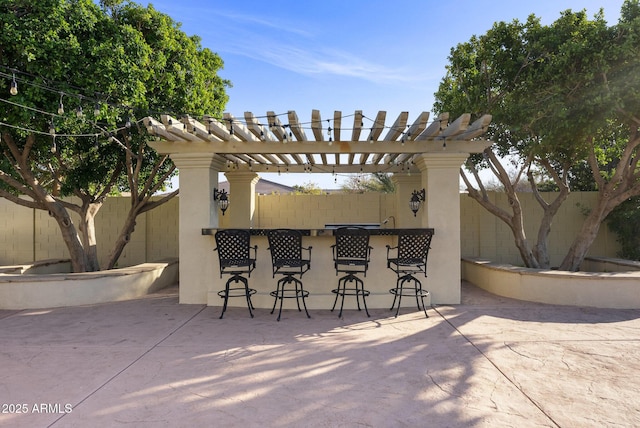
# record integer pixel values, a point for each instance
(266, 144)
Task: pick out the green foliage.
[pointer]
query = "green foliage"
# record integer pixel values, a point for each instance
(307, 188)
(624, 220)
(133, 60)
(564, 98)
(376, 182)
(119, 62)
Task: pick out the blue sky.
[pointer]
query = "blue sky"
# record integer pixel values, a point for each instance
(346, 55)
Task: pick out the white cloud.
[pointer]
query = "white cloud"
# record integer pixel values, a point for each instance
(300, 50)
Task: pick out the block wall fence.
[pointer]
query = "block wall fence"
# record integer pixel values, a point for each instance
(28, 235)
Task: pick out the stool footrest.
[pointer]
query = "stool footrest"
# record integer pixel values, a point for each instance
(409, 292)
(357, 290)
(297, 292)
(414, 290)
(236, 292)
(289, 294)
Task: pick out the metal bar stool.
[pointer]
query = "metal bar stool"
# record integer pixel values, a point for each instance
(351, 255)
(411, 258)
(234, 248)
(286, 248)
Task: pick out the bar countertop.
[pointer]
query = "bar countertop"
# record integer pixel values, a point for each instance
(327, 231)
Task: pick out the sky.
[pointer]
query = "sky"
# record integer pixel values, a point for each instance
(346, 55)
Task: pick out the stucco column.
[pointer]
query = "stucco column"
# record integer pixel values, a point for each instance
(440, 179)
(198, 176)
(242, 199)
(405, 185)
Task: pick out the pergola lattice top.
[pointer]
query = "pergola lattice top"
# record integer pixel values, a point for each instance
(265, 144)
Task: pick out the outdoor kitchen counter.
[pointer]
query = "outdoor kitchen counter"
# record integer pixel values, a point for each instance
(327, 231)
(321, 278)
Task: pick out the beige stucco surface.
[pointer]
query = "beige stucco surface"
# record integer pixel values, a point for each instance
(47, 290)
(619, 290)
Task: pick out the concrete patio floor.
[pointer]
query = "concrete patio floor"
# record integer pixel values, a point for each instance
(489, 362)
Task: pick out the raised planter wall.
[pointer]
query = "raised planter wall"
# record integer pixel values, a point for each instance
(620, 290)
(22, 288)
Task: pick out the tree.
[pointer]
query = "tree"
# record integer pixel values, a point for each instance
(308, 188)
(561, 96)
(84, 73)
(376, 182)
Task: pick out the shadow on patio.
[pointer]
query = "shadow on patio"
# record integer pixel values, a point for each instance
(487, 362)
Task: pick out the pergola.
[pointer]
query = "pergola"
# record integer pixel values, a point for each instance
(421, 155)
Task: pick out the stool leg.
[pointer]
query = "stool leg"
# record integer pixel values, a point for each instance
(302, 293)
(424, 308)
(275, 296)
(395, 295)
(364, 296)
(247, 294)
(298, 292)
(402, 281)
(226, 298)
(337, 291)
(282, 283)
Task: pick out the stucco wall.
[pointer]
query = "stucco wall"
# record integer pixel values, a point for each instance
(27, 235)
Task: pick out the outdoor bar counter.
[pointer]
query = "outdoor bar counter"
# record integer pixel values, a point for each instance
(321, 278)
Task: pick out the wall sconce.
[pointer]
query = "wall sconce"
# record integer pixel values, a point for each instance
(221, 197)
(417, 197)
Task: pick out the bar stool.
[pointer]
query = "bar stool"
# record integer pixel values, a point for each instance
(411, 259)
(351, 255)
(233, 247)
(286, 248)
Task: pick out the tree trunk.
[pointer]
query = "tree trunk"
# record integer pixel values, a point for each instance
(70, 237)
(582, 243)
(88, 234)
(541, 249)
(123, 239)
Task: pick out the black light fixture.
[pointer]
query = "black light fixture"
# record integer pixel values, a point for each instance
(222, 198)
(417, 197)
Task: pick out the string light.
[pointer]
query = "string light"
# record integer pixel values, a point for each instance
(97, 108)
(60, 105)
(14, 86)
(272, 124)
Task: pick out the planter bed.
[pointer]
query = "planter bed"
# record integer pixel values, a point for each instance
(45, 285)
(607, 289)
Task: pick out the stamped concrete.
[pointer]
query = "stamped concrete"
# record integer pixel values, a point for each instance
(488, 362)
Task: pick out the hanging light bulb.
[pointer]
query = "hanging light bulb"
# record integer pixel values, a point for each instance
(79, 112)
(96, 109)
(52, 128)
(14, 86)
(127, 122)
(53, 145)
(60, 105)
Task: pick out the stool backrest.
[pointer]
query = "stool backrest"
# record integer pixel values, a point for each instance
(352, 243)
(413, 246)
(285, 246)
(233, 248)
